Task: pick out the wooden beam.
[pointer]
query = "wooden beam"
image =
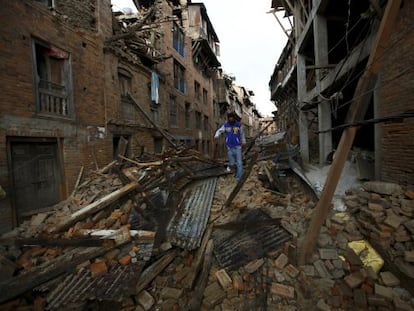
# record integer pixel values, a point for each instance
(78, 242)
(304, 9)
(198, 260)
(283, 28)
(197, 297)
(376, 7)
(292, 9)
(132, 30)
(77, 181)
(151, 121)
(95, 207)
(152, 271)
(63, 264)
(141, 164)
(106, 168)
(306, 30)
(342, 68)
(356, 112)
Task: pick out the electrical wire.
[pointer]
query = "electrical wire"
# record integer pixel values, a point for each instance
(386, 51)
(404, 115)
(347, 26)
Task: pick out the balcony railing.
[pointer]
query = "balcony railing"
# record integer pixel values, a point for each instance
(53, 99)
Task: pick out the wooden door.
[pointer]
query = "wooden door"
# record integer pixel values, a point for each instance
(36, 176)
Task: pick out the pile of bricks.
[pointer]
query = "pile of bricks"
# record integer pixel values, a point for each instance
(335, 278)
(384, 214)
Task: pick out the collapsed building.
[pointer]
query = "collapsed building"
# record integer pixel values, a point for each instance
(83, 85)
(172, 230)
(315, 80)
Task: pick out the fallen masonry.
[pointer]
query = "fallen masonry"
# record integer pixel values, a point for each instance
(179, 233)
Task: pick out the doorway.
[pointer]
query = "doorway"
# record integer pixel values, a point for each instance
(36, 175)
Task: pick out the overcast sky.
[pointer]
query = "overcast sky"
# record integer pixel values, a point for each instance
(251, 41)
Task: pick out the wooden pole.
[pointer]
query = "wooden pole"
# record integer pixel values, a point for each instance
(95, 207)
(356, 112)
(152, 122)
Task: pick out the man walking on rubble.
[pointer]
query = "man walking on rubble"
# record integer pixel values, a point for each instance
(235, 139)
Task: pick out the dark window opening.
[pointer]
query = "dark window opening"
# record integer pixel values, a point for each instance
(187, 115)
(179, 78)
(173, 112)
(53, 89)
(178, 40)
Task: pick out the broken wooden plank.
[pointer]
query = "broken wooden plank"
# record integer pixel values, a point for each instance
(195, 302)
(7, 268)
(124, 235)
(77, 242)
(149, 119)
(77, 181)
(106, 168)
(141, 164)
(199, 257)
(63, 264)
(152, 271)
(95, 207)
(253, 141)
(356, 112)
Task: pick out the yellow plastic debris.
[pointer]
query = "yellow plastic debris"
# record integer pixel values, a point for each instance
(367, 254)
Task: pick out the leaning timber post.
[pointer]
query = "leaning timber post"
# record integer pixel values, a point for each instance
(161, 131)
(356, 112)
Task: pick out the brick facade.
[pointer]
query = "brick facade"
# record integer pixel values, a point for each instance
(67, 79)
(80, 136)
(396, 96)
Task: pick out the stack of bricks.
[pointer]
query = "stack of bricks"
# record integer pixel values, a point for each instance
(384, 214)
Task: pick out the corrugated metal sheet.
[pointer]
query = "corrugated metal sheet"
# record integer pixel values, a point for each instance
(189, 221)
(234, 249)
(78, 288)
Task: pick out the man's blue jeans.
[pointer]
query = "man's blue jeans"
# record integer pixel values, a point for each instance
(235, 157)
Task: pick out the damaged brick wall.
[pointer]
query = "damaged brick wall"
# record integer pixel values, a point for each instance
(396, 96)
(82, 137)
(80, 13)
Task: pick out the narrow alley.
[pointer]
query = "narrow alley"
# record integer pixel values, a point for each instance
(118, 186)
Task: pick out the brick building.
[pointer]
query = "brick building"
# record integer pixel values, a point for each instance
(52, 118)
(315, 78)
(82, 84)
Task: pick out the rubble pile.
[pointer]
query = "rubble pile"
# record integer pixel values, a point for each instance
(109, 245)
(385, 213)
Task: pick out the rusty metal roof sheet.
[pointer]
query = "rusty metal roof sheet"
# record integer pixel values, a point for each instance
(234, 249)
(78, 288)
(189, 221)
